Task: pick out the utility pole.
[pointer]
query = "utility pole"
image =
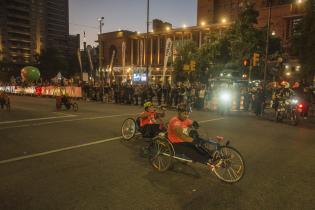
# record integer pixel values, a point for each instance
(147, 42)
(267, 51)
(100, 56)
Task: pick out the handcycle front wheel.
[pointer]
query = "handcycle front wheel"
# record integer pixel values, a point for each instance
(75, 107)
(128, 129)
(161, 154)
(229, 164)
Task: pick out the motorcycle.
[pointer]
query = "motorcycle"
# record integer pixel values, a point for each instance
(289, 109)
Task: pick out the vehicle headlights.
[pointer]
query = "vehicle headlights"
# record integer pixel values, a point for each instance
(225, 96)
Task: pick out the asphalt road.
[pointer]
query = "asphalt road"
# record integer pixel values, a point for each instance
(76, 160)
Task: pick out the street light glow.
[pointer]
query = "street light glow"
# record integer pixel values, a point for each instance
(168, 28)
(288, 74)
(273, 33)
(223, 20)
(203, 23)
(297, 68)
(299, 1)
(184, 26)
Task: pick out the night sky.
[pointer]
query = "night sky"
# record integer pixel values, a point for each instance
(127, 14)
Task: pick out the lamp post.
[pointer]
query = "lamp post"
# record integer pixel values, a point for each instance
(146, 42)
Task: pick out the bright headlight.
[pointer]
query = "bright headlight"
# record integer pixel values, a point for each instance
(225, 96)
(294, 101)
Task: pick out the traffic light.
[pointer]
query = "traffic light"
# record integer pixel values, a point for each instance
(256, 58)
(245, 62)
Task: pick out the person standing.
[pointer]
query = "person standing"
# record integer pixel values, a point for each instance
(159, 93)
(136, 94)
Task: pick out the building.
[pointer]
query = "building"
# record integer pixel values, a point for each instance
(285, 15)
(125, 55)
(30, 26)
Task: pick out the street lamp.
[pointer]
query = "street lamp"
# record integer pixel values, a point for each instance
(184, 26)
(168, 28)
(101, 23)
(203, 23)
(223, 20)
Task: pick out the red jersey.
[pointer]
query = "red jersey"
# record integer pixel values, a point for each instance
(149, 120)
(175, 122)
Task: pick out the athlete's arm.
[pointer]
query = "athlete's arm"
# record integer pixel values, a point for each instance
(180, 134)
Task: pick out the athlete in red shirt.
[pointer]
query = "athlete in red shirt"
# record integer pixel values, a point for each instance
(178, 135)
(150, 121)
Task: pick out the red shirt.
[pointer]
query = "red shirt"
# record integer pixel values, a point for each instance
(175, 122)
(149, 120)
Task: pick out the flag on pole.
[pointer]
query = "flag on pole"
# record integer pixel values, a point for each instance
(123, 49)
(168, 53)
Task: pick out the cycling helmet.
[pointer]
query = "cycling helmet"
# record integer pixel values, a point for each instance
(184, 108)
(148, 104)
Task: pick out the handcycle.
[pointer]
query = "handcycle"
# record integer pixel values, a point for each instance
(131, 127)
(226, 162)
(5, 102)
(67, 103)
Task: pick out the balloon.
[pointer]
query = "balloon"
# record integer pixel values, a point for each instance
(30, 73)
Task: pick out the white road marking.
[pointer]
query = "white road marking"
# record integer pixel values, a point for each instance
(58, 150)
(36, 119)
(77, 146)
(216, 119)
(61, 113)
(62, 121)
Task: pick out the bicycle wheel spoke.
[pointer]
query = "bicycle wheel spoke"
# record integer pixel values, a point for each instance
(234, 173)
(230, 173)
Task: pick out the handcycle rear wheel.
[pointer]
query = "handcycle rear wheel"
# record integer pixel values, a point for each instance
(8, 105)
(128, 129)
(229, 164)
(294, 118)
(161, 154)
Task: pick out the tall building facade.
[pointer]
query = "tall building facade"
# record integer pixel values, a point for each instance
(126, 53)
(285, 14)
(27, 27)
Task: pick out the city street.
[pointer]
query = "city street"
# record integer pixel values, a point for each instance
(77, 160)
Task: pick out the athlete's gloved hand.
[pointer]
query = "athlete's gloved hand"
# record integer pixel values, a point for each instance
(195, 125)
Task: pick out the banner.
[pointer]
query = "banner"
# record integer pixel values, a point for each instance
(123, 56)
(168, 53)
(141, 52)
(71, 91)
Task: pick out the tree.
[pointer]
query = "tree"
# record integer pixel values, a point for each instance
(244, 37)
(186, 52)
(212, 55)
(304, 41)
(51, 62)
